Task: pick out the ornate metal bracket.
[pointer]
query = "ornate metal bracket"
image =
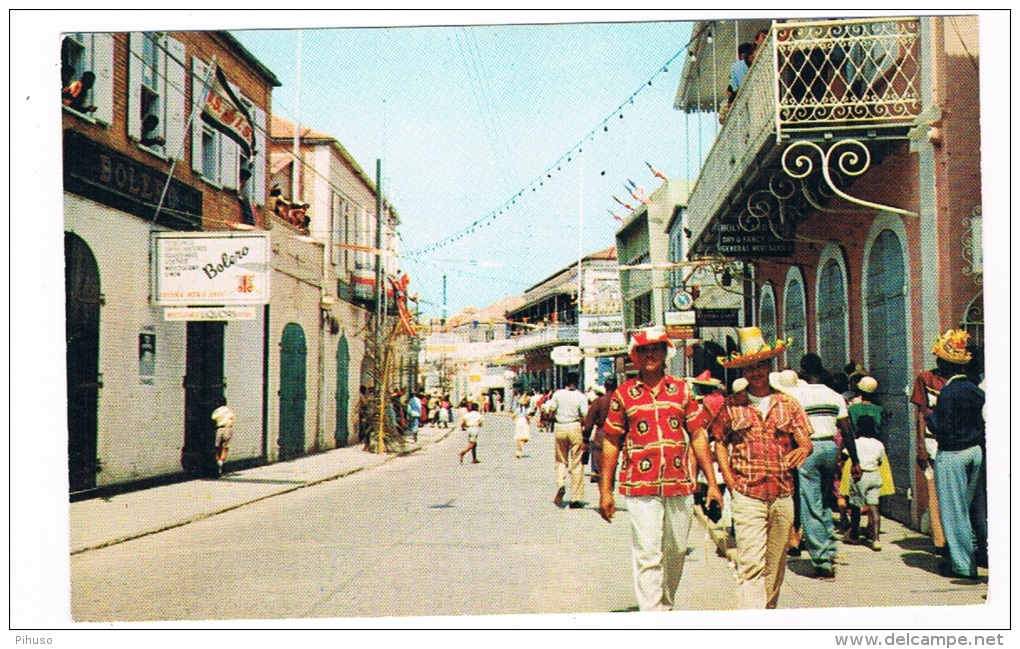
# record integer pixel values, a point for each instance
(854, 161)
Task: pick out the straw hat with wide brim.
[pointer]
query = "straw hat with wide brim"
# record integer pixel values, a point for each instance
(753, 349)
(952, 346)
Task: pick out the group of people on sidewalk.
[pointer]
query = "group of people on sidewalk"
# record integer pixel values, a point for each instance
(785, 447)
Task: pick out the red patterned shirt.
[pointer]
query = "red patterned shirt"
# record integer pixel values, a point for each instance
(654, 424)
(757, 445)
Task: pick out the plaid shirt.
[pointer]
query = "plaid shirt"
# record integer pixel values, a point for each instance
(656, 459)
(758, 445)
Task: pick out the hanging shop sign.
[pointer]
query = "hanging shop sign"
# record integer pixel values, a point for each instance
(737, 243)
(566, 355)
(206, 314)
(113, 179)
(211, 269)
(679, 324)
(717, 317)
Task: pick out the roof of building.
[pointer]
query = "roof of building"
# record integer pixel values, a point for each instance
(282, 130)
(565, 279)
(495, 312)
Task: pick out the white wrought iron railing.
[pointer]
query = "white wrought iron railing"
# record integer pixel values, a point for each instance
(809, 80)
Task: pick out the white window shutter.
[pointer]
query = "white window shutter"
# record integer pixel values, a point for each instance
(173, 92)
(261, 156)
(102, 91)
(199, 71)
(134, 98)
(229, 152)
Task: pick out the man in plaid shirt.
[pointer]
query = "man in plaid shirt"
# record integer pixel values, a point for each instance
(659, 424)
(761, 436)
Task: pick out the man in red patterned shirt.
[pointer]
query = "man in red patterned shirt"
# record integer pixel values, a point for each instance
(659, 424)
(761, 436)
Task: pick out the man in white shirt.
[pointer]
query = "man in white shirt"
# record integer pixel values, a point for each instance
(569, 405)
(826, 410)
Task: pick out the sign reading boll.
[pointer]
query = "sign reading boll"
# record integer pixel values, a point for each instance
(211, 269)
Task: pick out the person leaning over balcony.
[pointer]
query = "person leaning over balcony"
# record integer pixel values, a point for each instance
(657, 421)
(761, 436)
(739, 68)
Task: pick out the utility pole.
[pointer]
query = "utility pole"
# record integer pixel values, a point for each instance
(380, 369)
(443, 320)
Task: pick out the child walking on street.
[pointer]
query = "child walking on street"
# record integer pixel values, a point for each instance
(865, 491)
(522, 432)
(224, 418)
(472, 423)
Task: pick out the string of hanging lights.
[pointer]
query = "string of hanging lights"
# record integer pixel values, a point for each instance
(557, 166)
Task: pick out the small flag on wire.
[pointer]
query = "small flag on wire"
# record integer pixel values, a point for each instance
(627, 205)
(224, 112)
(656, 172)
(616, 216)
(638, 192)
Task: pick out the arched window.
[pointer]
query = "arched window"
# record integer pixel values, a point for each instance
(767, 314)
(794, 317)
(831, 310)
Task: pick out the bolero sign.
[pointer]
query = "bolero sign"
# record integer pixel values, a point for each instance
(210, 269)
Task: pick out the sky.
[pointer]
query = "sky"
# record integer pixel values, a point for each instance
(464, 117)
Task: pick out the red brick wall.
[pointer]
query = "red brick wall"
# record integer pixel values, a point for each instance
(217, 205)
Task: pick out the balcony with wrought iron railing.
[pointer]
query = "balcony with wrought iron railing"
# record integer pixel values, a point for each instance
(813, 87)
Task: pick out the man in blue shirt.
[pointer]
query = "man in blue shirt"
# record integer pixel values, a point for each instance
(740, 67)
(959, 427)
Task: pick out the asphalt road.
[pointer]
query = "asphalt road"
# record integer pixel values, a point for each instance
(422, 535)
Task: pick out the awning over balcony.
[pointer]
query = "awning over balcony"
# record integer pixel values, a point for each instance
(714, 48)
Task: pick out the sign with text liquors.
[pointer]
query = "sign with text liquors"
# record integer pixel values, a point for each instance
(210, 268)
(737, 243)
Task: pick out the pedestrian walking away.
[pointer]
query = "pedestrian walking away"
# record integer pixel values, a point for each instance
(522, 432)
(656, 422)
(827, 413)
(224, 418)
(568, 406)
(472, 423)
(761, 435)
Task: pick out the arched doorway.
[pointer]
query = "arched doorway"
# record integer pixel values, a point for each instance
(885, 303)
(293, 392)
(83, 300)
(767, 314)
(343, 397)
(831, 310)
(794, 318)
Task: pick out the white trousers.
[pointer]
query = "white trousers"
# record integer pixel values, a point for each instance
(763, 532)
(659, 528)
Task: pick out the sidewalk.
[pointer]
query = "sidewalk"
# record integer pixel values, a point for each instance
(904, 573)
(100, 522)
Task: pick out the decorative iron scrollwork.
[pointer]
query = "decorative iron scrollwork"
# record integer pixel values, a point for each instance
(853, 159)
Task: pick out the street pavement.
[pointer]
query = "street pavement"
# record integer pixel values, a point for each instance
(904, 573)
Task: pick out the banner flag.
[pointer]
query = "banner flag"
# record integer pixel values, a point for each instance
(225, 113)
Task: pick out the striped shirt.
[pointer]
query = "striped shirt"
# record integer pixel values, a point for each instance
(654, 425)
(759, 445)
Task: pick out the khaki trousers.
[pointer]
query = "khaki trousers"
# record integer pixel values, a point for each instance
(568, 459)
(763, 531)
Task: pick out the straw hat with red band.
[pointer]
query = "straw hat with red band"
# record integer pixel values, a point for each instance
(650, 336)
(753, 349)
(952, 347)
